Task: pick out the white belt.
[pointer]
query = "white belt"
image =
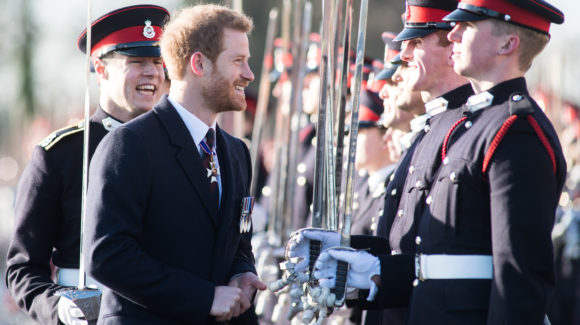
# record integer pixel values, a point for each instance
(453, 267)
(70, 278)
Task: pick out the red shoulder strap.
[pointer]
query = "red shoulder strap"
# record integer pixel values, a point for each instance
(502, 132)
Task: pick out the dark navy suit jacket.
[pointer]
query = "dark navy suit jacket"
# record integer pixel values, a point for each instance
(151, 236)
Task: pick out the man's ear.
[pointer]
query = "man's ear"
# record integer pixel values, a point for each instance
(198, 63)
(100, 69)
(510, 45)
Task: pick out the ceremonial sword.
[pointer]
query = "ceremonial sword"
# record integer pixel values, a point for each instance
(87, 299)
(263, 98)
(342, 267)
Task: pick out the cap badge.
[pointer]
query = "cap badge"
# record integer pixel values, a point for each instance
(148, 30)
(407, 12)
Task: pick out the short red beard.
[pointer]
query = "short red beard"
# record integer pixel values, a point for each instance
(219, 95)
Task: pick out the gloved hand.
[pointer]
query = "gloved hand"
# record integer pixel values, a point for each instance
(362, 267)
(69, 313)
(299, 244)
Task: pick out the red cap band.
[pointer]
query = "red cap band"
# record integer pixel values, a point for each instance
(518, 15)
(416, 14)
(367, 114)
(126, 35)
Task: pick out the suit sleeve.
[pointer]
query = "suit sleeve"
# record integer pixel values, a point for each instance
(28, 274)
(118, 197)
(523, 197)
(244, 258)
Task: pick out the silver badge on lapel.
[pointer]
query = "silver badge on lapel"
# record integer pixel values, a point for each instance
(246, 215)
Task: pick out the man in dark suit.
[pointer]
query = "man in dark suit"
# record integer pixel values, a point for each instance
(129, 69)
(169, 224)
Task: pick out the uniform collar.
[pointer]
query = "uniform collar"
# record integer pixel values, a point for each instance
(379, 176)
(458, 96)
(419, 123)
(436, 106)
(500, 93)
(450, 100)
(109, 122)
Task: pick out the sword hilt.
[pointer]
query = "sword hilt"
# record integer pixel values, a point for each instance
(87, 299)
(340, 283)
(315, 247)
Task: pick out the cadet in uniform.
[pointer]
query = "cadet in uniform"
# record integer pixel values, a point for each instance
(373, 157)
(126, 57)
(483, 244)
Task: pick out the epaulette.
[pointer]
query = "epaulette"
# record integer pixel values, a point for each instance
(520, 105)
(57, 135)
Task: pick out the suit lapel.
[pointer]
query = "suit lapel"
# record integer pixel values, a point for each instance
(188, 156)
(226, 162)
(227, 172)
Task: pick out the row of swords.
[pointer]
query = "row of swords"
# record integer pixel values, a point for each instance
(305, 295)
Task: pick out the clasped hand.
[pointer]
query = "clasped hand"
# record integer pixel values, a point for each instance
(235, 298)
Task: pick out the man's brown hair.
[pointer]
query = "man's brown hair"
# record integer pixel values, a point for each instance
(531, 41)
(198, 28)
(442, 35)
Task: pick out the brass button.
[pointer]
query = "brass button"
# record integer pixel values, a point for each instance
(453, 176)
(301, 168)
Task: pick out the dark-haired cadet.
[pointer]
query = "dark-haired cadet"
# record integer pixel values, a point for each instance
(129, 69)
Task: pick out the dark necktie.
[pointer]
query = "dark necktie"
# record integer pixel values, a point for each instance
(208, 156)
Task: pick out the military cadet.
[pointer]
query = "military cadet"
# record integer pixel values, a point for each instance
(483, 244)
(427, 52)
(127, 61)
(373, 158)
(169, 221)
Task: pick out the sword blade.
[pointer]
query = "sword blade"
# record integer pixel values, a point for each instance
(263, 97)
(342, 267)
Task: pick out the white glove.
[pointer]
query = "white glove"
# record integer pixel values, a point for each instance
(299, 244)
(362, 267)
(69, 313)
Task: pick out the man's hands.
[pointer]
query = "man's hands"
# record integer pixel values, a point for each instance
(249, 283)
(299, 244)
(228, 302)
(69, 313)
(362, 268)
(233, 300)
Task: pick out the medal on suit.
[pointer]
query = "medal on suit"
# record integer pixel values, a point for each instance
(246, 214)
(212, 171)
